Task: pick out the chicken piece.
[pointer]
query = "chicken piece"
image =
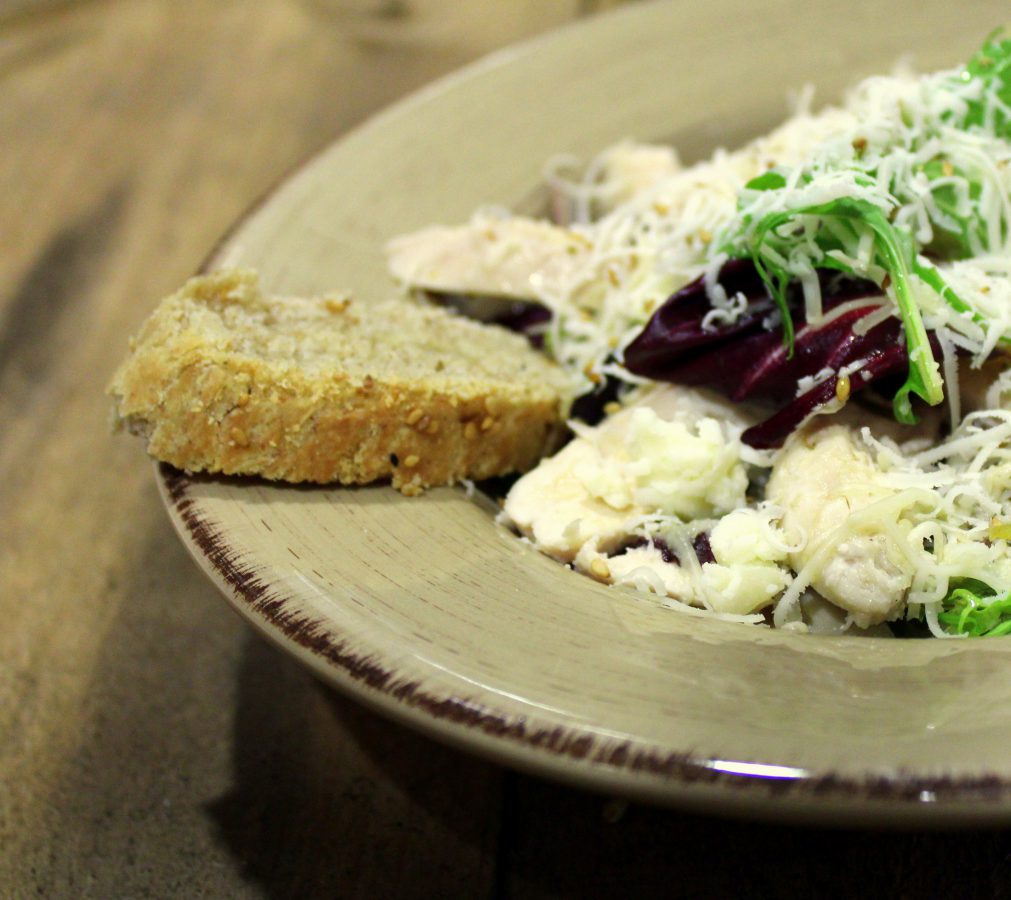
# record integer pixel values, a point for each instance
(674, 450)
(632, 168)
(621, 172)
(519, 258)
(820, 479)
(553, 507)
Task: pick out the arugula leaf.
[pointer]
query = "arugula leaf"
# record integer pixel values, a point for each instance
(893, 251)
(972, 609)
(773, 180)
(991, 66)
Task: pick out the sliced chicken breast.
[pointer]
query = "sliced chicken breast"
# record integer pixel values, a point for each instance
(516, 257)
(820, 480)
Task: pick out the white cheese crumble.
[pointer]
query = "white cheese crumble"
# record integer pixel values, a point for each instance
(689, 471)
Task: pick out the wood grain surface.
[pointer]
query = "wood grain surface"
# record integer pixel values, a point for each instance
(150, 744)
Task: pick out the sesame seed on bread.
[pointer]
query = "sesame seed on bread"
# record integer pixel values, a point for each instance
(223, 378)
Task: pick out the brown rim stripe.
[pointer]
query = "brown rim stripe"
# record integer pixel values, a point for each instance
(683, 768)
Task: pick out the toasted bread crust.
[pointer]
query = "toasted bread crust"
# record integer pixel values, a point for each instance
(205, 407)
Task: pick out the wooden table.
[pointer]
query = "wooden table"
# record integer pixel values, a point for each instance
(150, 744)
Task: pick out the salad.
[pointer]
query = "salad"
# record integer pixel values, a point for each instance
(793, 360)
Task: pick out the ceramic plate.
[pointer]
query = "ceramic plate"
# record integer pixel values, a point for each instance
(426, 610)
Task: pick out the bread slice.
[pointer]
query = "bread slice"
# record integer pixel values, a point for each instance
(225, 379)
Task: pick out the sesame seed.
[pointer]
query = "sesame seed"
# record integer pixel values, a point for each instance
(337, 304)
(842, 389)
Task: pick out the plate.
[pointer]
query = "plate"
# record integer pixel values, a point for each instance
(429, 612)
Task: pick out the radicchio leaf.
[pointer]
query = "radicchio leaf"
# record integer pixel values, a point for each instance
(747, 360)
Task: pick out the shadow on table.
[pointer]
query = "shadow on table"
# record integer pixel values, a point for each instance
(330, 799)
(564, 843)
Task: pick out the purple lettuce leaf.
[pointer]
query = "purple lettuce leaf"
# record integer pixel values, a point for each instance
(748, 360)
